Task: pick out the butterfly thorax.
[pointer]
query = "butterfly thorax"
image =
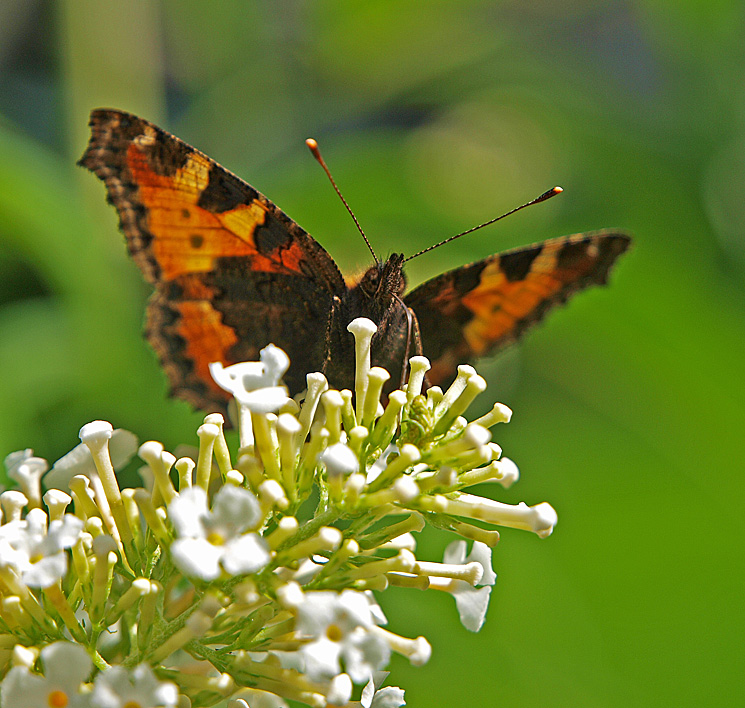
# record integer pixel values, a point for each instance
(377, 296)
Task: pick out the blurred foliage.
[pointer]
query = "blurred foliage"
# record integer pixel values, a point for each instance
(435, 116)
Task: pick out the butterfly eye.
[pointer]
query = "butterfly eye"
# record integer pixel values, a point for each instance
(372, 280)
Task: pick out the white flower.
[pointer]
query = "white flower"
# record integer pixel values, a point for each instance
(122, 448)
(339, 690)
(321, 610)
(308, 569)
(213, 540)
(264, 400)
(376, 610)
(27, 470)
(36, 554)
(66, 666)
(509, 472)
(375, 697)
(539, 518)
(118, 688)
(339, 460)
(257, 391)
(14, 459)
(472, 602)
(338, 626)
(374, 470)
(480, 553)
(363, 654)
(254, 382)
(387, 697)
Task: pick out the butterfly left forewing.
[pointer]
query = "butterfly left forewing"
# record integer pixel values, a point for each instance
(479, 308)
(231, 271)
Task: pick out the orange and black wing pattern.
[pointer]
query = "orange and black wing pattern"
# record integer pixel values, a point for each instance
(231, 271)
(480, 308)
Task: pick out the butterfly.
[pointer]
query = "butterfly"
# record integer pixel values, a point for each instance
(233, 273)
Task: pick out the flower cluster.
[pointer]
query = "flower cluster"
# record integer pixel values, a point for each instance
(250, 578)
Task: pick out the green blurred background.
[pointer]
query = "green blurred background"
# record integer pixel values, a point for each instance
(435, 116)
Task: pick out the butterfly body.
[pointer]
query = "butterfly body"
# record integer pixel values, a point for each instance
(378, 297)
(233, 273)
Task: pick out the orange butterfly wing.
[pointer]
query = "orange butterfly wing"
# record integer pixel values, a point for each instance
(480, 308)
(231, 271)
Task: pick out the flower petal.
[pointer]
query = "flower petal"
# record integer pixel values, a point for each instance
(188, 511)
(236, 508)
(472, 604)
(245, 554)
(481, 554)
(455, 553)
(66, 664)
(197, 557)
(45, 571)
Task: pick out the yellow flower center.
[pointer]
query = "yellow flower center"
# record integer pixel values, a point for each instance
(216, 538)
(334, 633)
(57, 699)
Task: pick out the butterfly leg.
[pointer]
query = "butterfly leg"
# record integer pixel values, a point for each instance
(417, 342)
(413, 335)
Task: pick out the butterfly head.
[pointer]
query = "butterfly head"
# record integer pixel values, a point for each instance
(385, 279)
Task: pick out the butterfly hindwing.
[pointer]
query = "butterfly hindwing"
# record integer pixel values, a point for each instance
(480, 308)
(231, 271)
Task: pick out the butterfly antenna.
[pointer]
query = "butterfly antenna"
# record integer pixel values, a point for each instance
(313, 147)
(542, 198)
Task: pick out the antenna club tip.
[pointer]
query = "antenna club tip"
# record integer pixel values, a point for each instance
(546, 195)
(313, 147)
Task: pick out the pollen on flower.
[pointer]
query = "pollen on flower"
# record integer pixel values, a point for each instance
(57, 699)
(333, 633)
(215, 538)
(251, 574)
